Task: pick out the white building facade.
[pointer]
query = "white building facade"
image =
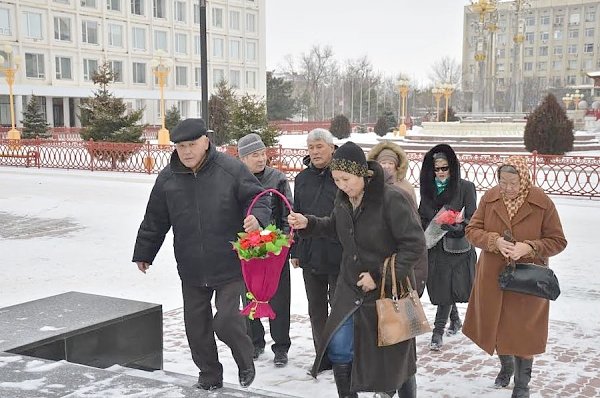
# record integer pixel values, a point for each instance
(62, 43)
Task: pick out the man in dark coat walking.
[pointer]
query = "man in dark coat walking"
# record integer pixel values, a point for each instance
(319, 258)
(204, 195)
(253, 154)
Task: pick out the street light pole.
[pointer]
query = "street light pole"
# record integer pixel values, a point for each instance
(403, 87)
(204, 63)
(9, 74)
(161, 67)
(437, 94)
(448, 89)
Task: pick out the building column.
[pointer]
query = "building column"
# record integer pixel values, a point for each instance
(18, 99)
(49, 111)
(77, 103)
(66, 112)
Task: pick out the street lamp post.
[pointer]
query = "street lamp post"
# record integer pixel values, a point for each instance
(437, 94)
(403, 87)
(9, 67)
(447, 89)
(567, 101)
(576, 97)
(161, 67)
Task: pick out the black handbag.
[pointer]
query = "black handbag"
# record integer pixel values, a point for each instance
(529, 278)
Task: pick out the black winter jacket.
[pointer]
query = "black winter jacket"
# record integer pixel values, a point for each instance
(206, 210)
(314, 194)
(271, 178)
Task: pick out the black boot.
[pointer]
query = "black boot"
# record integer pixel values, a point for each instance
(436, 342)
(409, 388)
(522, 377)
(507, 363)
(342, 373)
(455, 322)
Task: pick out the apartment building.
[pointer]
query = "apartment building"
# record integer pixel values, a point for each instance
(62, 42)
(561, 43)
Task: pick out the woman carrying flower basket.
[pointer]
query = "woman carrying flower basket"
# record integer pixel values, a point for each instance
(372, 221)
(447, 204)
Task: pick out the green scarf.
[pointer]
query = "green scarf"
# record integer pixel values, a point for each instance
(441, 185)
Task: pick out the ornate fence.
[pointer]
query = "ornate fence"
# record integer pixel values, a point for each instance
(557, 175)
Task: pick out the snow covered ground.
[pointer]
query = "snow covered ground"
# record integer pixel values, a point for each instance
(74, 230)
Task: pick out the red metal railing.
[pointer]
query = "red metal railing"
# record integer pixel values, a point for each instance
(557, 175)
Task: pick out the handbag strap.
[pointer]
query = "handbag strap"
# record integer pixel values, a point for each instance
(389, 262)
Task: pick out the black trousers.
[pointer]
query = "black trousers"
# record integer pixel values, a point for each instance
(320, 290)
(280, 326)
(441, 317)
(227, 324)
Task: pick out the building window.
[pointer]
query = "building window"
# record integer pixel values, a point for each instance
(528, 66)
(90, 66)
(558, 50)
(251, 23)
(197, 77)
(62, 1)
(558, 20)
(32, 21)
(115, 35)
(137, 7)
(4, 22)
(571, 80)
(556, 65)
(89, 32)
(218, 76)
(234, 78)
(34, 66)
(572, 64)
(179, 10)
(545, 20)
(138, 38)
(251, 79)
(528, 51)
(543, 51)
(558, 34)
(500, 67)
(197, 45)
(573, 33)
(588, 48)
(62, 28)
(113, 5)
(234, 20)
(588, 64)
(574, 19)
(161, 41)
(541, 66)
(181, 76)
(160, 10)
(529, 21)
(88, 3)
(217, 17)
(590, 16)
(183, 108)
(218, 45)
(251, 51)
(544, 36)
(589, 32)
(197, 14)
(117, 69)
(63, 68)
(139, 72)
(181, 43)
(529, 37)
(235, 49)
(572, 49)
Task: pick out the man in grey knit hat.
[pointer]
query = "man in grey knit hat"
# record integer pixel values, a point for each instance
(253, 154)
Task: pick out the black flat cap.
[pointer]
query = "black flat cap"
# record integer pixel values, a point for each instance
(188, 130)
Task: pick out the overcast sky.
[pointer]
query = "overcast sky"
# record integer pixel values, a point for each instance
(405, 36)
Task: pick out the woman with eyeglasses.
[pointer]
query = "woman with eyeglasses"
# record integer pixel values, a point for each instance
(452, 260)
(513, 325)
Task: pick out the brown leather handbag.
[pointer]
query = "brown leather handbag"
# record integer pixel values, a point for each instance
(399, 318)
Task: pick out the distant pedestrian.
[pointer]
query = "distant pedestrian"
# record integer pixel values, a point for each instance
(253, 154)
(452, 259)
(319, 257)
(203, 195)
(513, 325)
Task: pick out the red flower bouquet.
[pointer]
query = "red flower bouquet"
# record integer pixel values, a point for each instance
(263, 255)
(434, 231)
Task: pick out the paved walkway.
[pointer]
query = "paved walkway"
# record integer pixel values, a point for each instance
(569, 368)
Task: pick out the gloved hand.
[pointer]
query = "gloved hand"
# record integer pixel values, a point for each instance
(454, 230)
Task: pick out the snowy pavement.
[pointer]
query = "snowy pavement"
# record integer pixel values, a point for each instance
(66, 230)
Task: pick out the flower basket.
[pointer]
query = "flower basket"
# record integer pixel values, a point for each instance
(263, 256)
(434, 231)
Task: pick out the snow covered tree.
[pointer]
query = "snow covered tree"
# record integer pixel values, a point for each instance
(172, 118)
(34, 121)
(250, 115)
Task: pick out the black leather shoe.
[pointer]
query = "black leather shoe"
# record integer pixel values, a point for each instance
(281, 359)
(210, 386)
(454, 327)
(436, 342)
(246, 377)
(257, 351)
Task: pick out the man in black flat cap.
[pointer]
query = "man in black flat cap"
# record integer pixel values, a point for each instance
(204, 195)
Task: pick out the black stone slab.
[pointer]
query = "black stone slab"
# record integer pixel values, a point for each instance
(85, 328)
(27, 377)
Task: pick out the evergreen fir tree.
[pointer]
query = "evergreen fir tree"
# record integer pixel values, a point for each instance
(104, 117)
(381, 127)
(250, 115)
(220, 107)
(390, 117)
(451, 115)
(340, 127)
(172, 118)
(548, 129)
(34, 122)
